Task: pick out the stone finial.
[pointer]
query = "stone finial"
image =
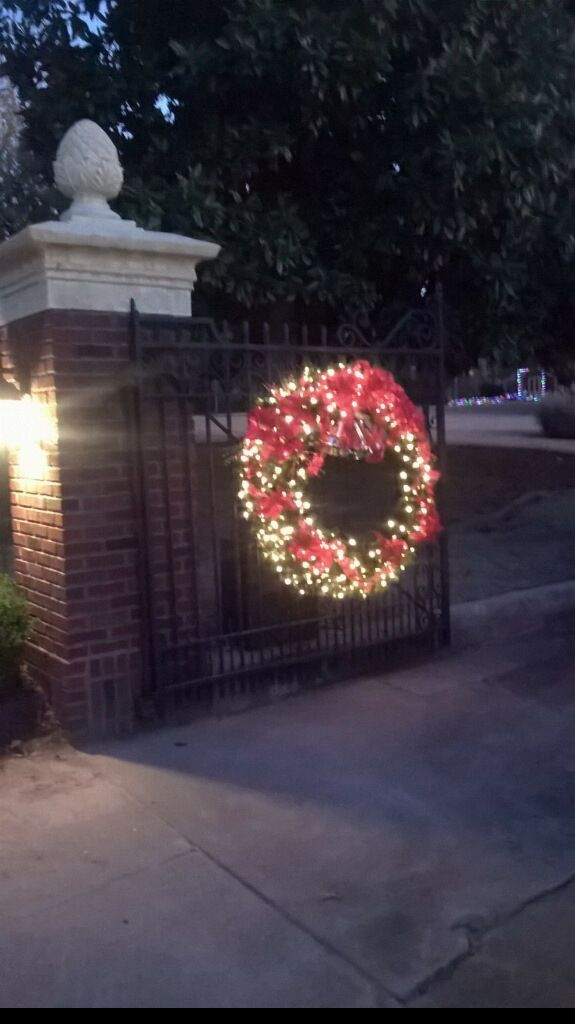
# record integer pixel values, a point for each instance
(87, 170)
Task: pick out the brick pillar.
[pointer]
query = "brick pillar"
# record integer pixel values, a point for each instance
(74, 523)
(65, 292)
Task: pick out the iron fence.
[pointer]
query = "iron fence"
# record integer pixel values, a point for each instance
(216, 623)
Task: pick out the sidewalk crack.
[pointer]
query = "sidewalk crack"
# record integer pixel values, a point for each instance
(475, 932)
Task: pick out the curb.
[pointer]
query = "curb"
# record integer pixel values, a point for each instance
(510, 615)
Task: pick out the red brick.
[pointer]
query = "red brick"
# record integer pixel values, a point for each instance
(63, 525)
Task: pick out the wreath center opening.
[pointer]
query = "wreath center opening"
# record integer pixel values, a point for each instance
(354, 497)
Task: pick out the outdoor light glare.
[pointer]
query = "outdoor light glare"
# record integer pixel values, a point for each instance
(25, 426)
(9, 412)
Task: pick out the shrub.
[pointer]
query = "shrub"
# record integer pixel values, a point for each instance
(556, 415)
(14, 626)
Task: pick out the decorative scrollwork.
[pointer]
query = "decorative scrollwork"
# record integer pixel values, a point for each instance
(200, 357)
(350, 335)
(416, 330)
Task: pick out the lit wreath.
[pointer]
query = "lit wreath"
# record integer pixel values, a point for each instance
(355, 410)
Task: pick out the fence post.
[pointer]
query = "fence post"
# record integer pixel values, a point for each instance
(65, 293)
(442, 449)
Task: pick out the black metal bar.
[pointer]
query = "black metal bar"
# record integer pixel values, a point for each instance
(227, 431)
(298, 658)
(441, 452)
(247, 347)
(135, 437)
(236, 541)
(169, 543)
(213, 521)
(190, 500)
(228, 389)
(326, 349)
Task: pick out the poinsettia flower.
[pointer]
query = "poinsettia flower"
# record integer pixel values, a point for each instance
(431, 525)
(307, 546)
(315, 464)
(349, 569)
(392, 548)
(261, 420)
(273, 503)
(344, 389)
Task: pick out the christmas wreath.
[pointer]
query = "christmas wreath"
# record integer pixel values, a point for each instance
(355, 410)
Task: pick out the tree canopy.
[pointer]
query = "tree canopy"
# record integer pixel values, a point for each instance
(24, 193)
(343, 153)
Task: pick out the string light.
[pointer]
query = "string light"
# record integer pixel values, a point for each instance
(520, 375)
(356, 410)
(519, 395)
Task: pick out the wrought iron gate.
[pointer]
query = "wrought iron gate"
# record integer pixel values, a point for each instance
(216, 623)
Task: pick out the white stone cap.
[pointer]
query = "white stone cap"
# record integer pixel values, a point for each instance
(91, 259)
(87, 170)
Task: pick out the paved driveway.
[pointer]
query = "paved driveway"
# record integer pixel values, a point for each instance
(407, 841)
(512, 426)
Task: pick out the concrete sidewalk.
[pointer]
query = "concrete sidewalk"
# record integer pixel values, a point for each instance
(403, 841)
